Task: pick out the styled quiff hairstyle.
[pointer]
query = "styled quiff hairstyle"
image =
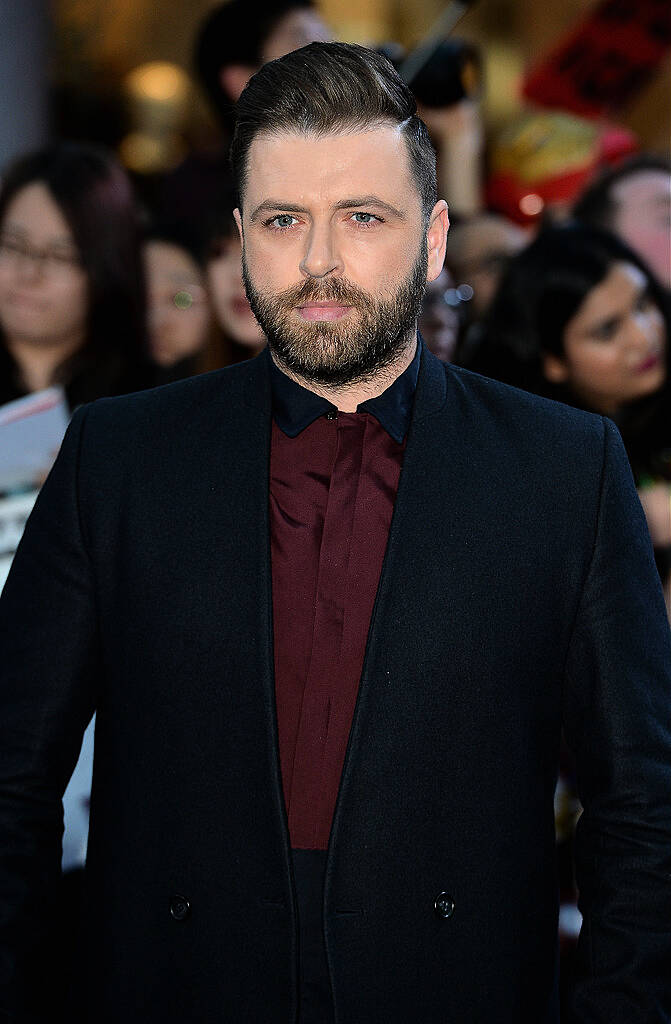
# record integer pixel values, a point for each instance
(325, 88)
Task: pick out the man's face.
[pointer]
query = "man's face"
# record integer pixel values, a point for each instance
(335, 250)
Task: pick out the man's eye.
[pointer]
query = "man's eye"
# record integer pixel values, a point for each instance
(283, 220)
(364, 218)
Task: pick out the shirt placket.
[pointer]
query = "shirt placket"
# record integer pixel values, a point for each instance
(323, 673)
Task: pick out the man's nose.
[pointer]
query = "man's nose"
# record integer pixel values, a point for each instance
(321, 257)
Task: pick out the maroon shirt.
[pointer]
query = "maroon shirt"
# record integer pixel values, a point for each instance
(333, 483)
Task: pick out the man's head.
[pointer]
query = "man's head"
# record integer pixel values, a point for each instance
(239, 36)
(337, 210)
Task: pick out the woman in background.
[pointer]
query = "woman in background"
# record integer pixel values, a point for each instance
(180, 312)
(240, 335)
(72, 296)
(580, 318)
(72, 313)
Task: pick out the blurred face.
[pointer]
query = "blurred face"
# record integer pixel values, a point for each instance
(179, 313)
(297, 28)
(438, 320)
(614, 346)
(227, 291)
(336, 254)
(43, 288)
(643, 219)
(479, 252)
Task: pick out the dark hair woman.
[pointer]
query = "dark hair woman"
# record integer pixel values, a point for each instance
(180, 311)
(580, 318)
(239, 335)
(72, 294)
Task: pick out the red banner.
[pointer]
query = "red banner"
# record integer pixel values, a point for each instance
(603, 63)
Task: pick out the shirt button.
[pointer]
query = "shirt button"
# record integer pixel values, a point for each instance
(332, 415)
(444, 905)
(180, 908)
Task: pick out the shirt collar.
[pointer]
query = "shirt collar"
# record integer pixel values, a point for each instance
(296, 407)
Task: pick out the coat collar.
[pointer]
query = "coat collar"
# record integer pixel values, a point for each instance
(430, 393)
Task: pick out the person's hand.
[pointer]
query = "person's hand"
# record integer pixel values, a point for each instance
(458, 135)
(656, 502)
(460, 123)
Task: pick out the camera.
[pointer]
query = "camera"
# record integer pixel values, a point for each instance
(451, 72)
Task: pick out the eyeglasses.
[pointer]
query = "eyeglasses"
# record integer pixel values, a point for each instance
(50, 261)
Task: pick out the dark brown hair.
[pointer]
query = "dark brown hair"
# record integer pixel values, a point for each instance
(236, 32)
(596, 204)
(540, 292)
(332, 87)
(95, 196)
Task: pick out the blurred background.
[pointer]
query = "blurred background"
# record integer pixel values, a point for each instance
(120, 261)
(82, 69)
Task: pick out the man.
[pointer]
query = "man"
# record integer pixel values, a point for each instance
(333, 606)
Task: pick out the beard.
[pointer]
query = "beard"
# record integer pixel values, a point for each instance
(341, 352)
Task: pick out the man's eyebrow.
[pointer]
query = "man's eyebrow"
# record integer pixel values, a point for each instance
(358, 201)
(269, 205)
(275, 204)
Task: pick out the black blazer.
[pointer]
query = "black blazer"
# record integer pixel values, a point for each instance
(518, 594)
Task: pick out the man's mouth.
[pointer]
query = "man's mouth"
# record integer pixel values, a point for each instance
(323, 310)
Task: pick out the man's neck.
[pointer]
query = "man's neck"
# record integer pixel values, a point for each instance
(349, 396)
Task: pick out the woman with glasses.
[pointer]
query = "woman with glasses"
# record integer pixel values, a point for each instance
(72, 297)
(180, 311)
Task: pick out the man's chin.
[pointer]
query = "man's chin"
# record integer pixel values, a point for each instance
(330, 358)
(327, 366)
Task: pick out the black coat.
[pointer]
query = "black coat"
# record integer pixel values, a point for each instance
(518, 594)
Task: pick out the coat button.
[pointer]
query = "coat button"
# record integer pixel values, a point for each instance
(444, 905)
(180, 908)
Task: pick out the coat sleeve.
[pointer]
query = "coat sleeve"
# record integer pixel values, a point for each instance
(48, 670)
(617, 718)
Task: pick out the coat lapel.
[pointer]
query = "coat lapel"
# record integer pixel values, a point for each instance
(422, 465)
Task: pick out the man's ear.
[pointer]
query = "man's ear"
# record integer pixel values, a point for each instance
(238, 220)
(436, 239)
(554, 369)
(233, 78)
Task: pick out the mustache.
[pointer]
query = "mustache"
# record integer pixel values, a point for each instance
(338, 290)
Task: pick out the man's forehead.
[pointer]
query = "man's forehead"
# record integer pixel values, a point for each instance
(367, 160)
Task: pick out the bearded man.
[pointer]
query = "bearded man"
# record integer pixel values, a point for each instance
(333, 607)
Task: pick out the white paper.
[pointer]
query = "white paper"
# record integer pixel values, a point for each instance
(31, 431)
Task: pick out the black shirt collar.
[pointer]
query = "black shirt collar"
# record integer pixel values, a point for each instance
(296, 407)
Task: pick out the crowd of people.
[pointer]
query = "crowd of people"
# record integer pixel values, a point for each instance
(103, 296)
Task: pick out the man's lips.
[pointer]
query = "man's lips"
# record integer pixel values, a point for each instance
(323, 311)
